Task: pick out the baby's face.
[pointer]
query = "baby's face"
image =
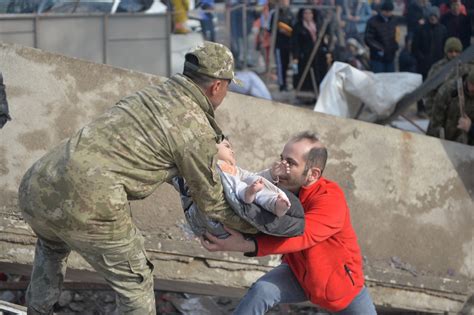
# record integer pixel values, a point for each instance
(225, 152)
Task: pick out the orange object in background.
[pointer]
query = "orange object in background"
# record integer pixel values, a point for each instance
(285, 28)
(180, 15)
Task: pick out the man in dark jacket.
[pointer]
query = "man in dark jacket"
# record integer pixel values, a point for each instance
(428, 43)
(415, 17)
(4, 115)
(283, 41)
(406, 60)
(428, 48)
(457, 24)
(380, 37)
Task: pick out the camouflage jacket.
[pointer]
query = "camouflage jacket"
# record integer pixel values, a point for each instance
(435, 68)
(144, 140)
(446, 113)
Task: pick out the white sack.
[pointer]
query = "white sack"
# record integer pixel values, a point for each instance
(345, 88)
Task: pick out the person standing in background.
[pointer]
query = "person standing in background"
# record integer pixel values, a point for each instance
(428, 43)
(303, 39)
(457, 24)
(206, 8)
(180, 16)
(284, 31)
(380, 36)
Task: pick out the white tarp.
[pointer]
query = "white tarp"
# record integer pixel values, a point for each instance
(345, 88)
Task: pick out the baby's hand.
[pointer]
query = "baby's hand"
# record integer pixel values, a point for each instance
(278, 169)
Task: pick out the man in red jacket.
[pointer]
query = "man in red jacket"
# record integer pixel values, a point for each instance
(324, 265)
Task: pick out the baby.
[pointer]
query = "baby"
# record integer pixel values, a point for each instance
(249, 186)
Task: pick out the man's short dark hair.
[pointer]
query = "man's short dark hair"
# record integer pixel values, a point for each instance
(387, 5)
(200, 79)
(317, 156)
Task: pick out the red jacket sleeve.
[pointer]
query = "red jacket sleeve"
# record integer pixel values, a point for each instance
(325, 215)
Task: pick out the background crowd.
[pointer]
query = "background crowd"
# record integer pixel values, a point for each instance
(298, 40)
(365, 34)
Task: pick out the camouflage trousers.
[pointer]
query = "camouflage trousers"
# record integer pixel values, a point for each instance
(121, 261)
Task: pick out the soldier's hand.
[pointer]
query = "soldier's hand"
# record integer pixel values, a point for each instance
(464, 123)
(234, 243)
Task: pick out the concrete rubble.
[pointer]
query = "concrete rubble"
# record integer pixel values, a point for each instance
(411, 196)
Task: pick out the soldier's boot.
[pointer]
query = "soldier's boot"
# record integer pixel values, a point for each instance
(49, 270)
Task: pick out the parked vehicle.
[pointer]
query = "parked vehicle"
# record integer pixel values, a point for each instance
(80, 6)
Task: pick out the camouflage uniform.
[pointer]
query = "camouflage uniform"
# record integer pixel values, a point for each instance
(429, 99)
(446, 113)
(451, 44)
(76, 196)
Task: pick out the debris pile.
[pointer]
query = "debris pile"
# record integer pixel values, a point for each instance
(94, 301)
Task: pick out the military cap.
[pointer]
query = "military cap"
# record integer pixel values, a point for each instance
(451, 44)
(213, 60)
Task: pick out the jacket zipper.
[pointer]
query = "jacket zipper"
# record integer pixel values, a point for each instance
(304, 275)
(305, 270)
(348, 271)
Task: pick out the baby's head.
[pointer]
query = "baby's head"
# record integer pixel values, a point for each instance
(225, 152)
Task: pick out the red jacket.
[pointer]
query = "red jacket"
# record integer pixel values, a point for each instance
(326, 259)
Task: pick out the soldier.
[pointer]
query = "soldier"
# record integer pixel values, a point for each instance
(452, 49)
(4, 115)
(447, 110)
(76, 196)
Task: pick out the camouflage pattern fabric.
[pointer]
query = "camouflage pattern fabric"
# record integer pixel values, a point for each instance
(429, 99)
(214, 60)
(446, 113)
(77, 194)
(4, 113)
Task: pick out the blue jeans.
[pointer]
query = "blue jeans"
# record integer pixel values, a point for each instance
(281, 286)
(207, 26)
(379, 66)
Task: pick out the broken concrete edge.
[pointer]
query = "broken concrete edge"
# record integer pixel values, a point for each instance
(31, 52)
(15, 232)
(384, 285)
(427, 301)
(10, 307)
(166, 251)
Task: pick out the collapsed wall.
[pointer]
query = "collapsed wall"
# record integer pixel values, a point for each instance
(411, 196)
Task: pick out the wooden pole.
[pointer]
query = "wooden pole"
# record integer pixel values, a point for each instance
(313, 54)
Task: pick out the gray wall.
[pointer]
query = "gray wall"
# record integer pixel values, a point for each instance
(135, 41)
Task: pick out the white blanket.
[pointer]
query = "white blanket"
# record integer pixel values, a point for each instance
(345, 88)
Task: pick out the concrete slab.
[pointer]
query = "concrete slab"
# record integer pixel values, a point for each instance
(411, 196)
